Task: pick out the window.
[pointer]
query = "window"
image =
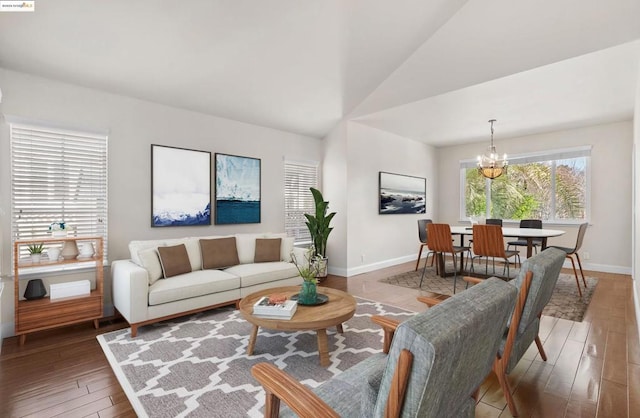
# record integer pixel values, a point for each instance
(552, 186)
(298, 200)
(57, 176)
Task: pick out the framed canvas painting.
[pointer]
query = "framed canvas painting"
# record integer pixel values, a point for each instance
(237, 189)
(401, 194)
(180, 186)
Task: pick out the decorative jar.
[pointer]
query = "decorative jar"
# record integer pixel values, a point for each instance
(69, 250)
(308, 294)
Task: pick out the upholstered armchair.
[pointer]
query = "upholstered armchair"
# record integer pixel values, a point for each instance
(436, 362)
(535, 283)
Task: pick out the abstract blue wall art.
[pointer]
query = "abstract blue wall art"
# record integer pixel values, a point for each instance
(180, 186)
(402, 194)
(237, 189)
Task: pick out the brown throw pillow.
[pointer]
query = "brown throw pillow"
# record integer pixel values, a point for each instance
(219, 253)
(267, 249)
(174, 260)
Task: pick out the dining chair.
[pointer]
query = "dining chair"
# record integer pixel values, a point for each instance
(488, 241)
(521, 241)
(422, 236)
(490, 221)
(574, 252)
(439, 241)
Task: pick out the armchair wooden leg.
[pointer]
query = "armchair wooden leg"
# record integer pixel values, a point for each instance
(498, 369)
(271, 406)
(388, 338)
(543, 355)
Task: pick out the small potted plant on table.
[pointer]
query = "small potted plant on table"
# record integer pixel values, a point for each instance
(35, 250)
(308, 294)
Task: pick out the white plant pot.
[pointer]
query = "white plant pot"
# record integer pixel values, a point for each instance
(35, 258)
(53, 253)
(321, 267)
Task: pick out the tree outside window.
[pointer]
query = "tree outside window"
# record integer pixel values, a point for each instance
(551, 189)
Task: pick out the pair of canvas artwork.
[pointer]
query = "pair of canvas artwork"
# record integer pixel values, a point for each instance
(181, 187)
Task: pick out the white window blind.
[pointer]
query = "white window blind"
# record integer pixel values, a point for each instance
(298, 200)
(57, 176)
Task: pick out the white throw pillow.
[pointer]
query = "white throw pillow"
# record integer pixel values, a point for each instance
(195, 257)
(136, 246)
(151, 262)
(286, 245)
(246, 245)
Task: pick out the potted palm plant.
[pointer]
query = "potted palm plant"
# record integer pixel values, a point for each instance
(35, 250)
(319, 229)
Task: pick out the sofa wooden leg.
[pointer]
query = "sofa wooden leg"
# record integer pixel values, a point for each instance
(134, 331)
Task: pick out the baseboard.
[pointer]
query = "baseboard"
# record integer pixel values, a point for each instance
(6, 330)
(636, 299)
(605, 268)
(379, 265)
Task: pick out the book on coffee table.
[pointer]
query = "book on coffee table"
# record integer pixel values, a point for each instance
(265, 309)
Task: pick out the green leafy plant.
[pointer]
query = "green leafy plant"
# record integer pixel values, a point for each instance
(307, 270)
(319, 224)
(35, 248)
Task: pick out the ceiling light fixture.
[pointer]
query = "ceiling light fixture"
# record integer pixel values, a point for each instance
(490, 165)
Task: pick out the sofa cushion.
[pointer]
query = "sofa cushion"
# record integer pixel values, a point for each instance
(258, 273)
(151, 262)
(267, 249)
(196, 283)
(174, 260)
(219, 253)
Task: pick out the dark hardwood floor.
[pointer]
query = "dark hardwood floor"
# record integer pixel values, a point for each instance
(593, 367)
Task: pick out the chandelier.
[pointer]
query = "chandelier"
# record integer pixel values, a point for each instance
(490, 165)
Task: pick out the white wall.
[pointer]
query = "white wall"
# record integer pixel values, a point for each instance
(134, 125)
(608, 239)
(636, 202)
(383, 240)
(334, 191)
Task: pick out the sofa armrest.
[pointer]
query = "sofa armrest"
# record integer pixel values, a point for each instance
(130, 290)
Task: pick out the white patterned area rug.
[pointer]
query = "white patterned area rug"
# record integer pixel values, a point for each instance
(197, 366)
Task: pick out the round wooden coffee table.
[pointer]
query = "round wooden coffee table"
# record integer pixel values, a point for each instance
(340, 307)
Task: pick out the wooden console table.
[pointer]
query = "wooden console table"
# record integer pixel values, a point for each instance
(42, 314)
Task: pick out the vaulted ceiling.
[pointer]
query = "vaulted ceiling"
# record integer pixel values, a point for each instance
(435, 70)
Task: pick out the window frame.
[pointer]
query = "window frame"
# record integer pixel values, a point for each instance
(313, 168)
(24, 137)
(551, 156)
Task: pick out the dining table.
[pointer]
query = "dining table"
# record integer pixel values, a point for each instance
(528, 234)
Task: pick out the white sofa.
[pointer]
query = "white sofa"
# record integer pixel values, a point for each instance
(143, 296)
